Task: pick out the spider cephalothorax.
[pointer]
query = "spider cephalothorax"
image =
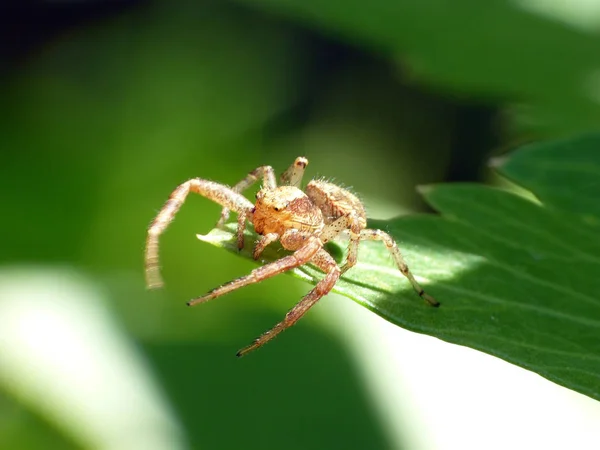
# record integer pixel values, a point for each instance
(285, 208)
(303, 221)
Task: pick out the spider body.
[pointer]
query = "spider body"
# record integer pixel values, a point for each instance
(285, 208)
(303, 221)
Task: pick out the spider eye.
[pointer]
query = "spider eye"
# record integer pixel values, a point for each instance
(276, 208)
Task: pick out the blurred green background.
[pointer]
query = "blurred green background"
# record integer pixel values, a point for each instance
(108, 105)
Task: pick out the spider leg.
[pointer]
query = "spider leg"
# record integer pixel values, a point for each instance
(214, 191)
(298, 258)
(263, 243)
(240, 229)
(352, 223)
(268, 176)
(325, 262)
(378, 235)
(334, 229)
(293, 175)
(354, 229)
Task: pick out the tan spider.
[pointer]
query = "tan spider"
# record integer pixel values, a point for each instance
(302, 221)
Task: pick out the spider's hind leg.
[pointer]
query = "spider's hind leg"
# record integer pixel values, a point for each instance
(353, 225)
(390, 243)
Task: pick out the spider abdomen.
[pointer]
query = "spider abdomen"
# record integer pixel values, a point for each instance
(335, 201)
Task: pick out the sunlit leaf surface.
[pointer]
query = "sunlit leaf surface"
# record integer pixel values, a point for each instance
(516, 278)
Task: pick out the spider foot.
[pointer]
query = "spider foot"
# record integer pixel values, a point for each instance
(429, 299)
(248, 349)
(203, 299)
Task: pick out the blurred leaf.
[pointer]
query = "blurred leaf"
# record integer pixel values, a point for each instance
(565, 175)
(215, 393)
(492, 48)
(127, 107)
(124, 109)
(24, 429)
(516, 279)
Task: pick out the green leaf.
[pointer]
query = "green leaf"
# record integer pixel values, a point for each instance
(495, 48)
(516, 278)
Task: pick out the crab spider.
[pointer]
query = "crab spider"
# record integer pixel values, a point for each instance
(303, 221)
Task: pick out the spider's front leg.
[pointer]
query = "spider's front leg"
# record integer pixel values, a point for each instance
(263, 243)
(327, 264)
(216, 192)
(293, 175)
(301, 256)
(268, 176)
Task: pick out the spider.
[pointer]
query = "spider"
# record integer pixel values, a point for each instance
(303, 221)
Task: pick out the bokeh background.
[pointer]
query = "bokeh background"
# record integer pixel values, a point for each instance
(106, 106)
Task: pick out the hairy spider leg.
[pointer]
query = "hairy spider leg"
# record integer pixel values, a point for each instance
(353, 225)
(327, 264)
(390, 243)
(268, 176)
(300, 257)
(214, 191)
(241, 227)
(293, 175)
(263, 243)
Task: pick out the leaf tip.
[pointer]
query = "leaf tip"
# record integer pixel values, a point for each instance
(215, 236)
(424, 189)
(497, 162)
